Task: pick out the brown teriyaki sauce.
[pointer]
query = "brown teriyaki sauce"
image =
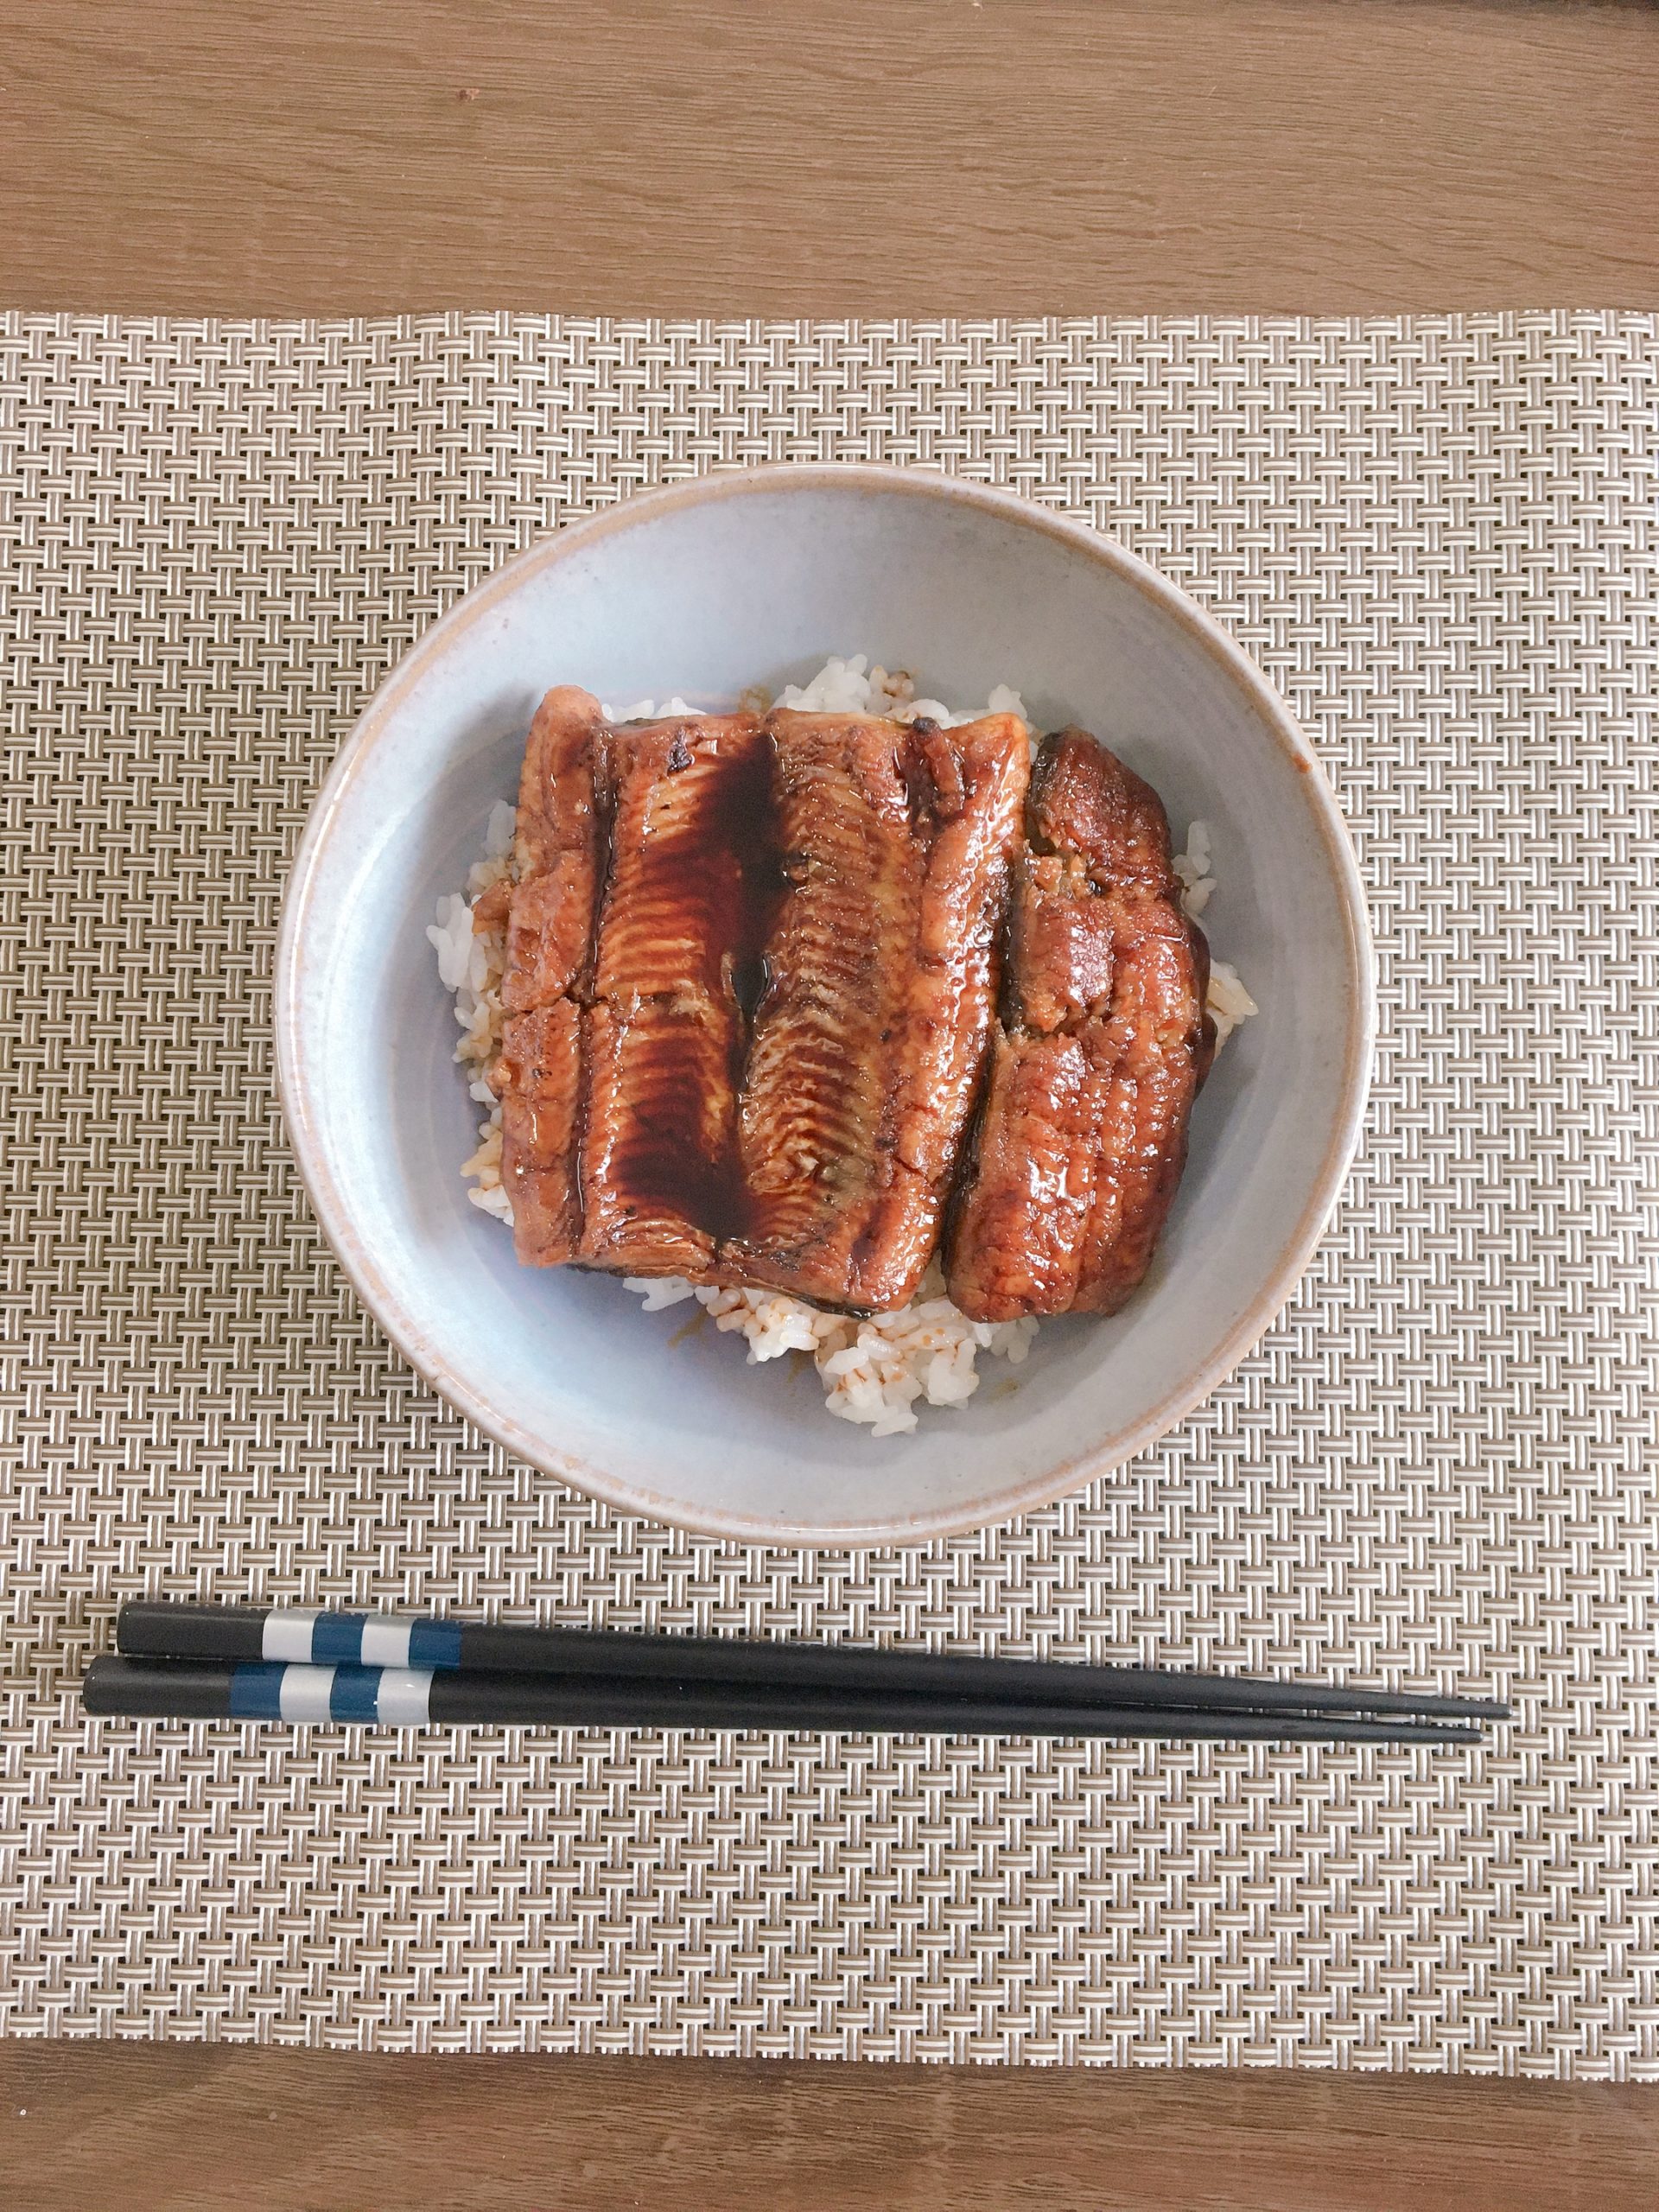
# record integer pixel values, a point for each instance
(731, 876)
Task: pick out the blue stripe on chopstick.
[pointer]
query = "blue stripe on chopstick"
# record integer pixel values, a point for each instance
(337, 1640)
(257, 1691)
(355, 1695)
(435, 1643)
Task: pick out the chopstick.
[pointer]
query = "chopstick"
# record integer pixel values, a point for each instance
(404, 1697)
(728, 1666)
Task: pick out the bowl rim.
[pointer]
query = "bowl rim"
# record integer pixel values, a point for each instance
(296, 1082)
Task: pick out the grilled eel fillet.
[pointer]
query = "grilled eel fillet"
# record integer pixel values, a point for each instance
(850, 875)
(869, 1044)
(1102, 1044)
(623, 1036)
(664, 1036)
(560, 859)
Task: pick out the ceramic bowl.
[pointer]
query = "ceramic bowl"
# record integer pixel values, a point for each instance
(705, 589)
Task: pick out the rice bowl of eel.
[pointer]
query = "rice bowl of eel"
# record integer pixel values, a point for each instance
(734, 600)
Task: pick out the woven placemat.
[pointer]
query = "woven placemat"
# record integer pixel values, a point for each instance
(1437, 536)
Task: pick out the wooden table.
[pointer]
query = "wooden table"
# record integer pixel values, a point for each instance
(1017, 157)
(141, 2128)
(930, 156)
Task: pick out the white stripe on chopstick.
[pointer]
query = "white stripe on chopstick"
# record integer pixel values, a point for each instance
(403, 1699)
(286, 1633)
(385, 1643)
(306, 1692)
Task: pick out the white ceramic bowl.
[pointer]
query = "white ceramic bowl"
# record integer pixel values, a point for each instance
(704, 589)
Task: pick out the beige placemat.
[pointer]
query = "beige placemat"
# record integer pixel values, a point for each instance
(1438, 537)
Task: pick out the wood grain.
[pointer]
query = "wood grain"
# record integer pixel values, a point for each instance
(195, 2128)
(827, 156)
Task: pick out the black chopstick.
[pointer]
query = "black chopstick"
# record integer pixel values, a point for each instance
(297, 1635)
(419, 1697)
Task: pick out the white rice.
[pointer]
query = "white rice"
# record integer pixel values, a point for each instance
(471, 963)
(874, 1371)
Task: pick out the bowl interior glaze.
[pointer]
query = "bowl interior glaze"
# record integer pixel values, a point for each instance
(703, 590)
